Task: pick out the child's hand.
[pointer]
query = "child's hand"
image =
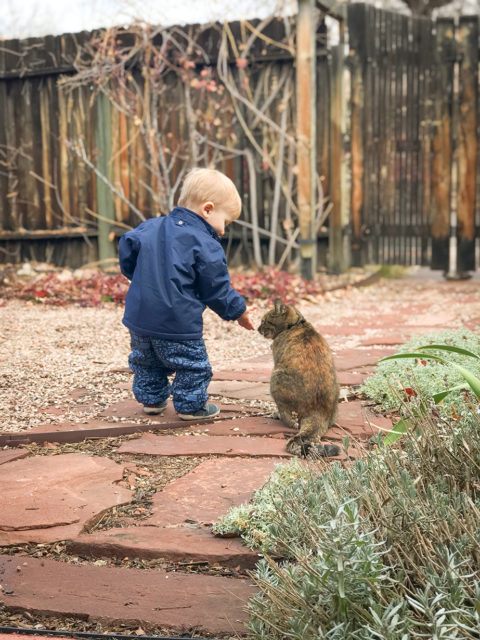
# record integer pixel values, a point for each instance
(245, 322)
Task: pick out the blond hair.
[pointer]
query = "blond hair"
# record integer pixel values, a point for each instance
(203, 185)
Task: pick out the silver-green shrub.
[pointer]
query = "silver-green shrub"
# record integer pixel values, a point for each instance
(395, 380)
(386, 548)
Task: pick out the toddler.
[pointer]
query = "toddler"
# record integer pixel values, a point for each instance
(177, 267)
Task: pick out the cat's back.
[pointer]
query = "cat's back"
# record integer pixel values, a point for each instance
(301, 346)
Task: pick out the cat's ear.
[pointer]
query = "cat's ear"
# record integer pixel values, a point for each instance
(279, 307)
(299, 315)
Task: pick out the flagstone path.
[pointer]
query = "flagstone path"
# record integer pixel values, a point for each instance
(46, 499)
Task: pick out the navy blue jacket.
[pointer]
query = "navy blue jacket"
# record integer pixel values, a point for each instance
(177, 267)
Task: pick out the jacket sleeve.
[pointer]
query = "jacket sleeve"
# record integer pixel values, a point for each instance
(214, 288)
(128, 248)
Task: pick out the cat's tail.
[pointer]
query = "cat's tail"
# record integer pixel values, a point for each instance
(312, 428)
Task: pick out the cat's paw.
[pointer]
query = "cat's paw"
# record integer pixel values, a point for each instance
(299, 447)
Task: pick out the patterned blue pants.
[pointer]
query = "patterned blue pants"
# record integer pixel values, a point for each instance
(153, 359)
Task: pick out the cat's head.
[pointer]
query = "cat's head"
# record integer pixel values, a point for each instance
(280, 318)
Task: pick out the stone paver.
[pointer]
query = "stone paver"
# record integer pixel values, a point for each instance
(173, 531)
(241, 390)
(248, 426)
(176, 544)
(357, 421)
(49, 498)
(179, 602)
(8, 455)
(209, 490)
(204, 445)
(352, 359)
(251, 375)
(429, 320)
(120, 412)
(384, 340)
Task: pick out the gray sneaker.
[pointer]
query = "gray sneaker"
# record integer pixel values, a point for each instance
(208, 411)
(153, 409)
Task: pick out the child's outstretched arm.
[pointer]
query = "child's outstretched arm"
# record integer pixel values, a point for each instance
(245, 322)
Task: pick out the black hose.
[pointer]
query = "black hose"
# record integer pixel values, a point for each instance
(91, 636)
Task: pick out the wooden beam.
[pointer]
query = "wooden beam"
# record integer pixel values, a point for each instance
(467, 37)
(334, 9)
(47, 234)
(306, 134)
(336, 245)
(105, 204)
(442, 144)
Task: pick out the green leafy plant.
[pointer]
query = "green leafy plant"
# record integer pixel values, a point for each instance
(471, 379)
(442, 369)
(402, 426)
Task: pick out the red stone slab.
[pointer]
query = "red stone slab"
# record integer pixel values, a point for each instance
(203, 445)
(179, 544)
(257, 375)
(357, 421)
(248, 426)
(8, 455)
(241, 390)
(427, 320)
(179, 602)
(351, 359)
(132, 410)
(348, 329)
(385, 340)
(79, 431)
(354, 378)
(208, 491)
(102, 426)
(50, 498)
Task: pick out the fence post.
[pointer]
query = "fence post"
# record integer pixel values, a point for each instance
(336, 240)
(306, 135)
(442, 144)
(105, 204)
(357, 30)
(467, 41)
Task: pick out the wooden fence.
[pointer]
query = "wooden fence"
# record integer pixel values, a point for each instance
(412, 134)
(49, 196)
(414, 138)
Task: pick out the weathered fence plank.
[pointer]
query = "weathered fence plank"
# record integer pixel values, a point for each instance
(406, 114)
(442, 144)
(356, 26)
(467, 142)
(402, 131)
(338, 259)
(106, 207)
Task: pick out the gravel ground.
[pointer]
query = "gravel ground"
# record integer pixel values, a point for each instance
(49, 353)
(73, 356)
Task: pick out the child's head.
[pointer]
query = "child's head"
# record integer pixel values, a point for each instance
(211, 195)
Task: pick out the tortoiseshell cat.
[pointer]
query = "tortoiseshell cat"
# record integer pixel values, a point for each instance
(303, 379)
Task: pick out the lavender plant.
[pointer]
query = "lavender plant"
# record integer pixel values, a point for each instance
(388, 547)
